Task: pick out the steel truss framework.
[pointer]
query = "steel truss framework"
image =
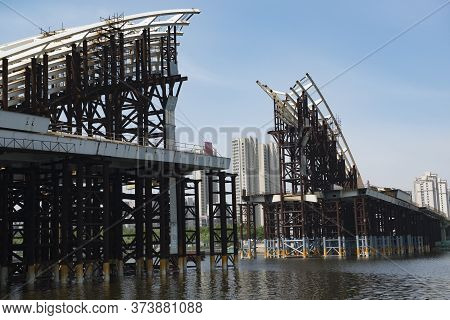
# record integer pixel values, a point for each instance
(361, 226)
(223, 240)
(112, 79)
(79, 219)
(314, 159)
(83, 217)
(247, 230)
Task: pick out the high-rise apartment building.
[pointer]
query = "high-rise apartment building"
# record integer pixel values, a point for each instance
(245, 164)
(431, 191)
(269, 169)
(202, 198)
(257, 169)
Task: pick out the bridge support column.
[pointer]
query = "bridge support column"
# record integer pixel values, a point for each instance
(3, 276)
(164, 209)
(89, 270)
(443, 233)
(79, 273)
(64, 273)
(149, 266)
(222, 219)
(173, 216)
(106, 272)
(31, 274)
(410, 244)
(119, 267)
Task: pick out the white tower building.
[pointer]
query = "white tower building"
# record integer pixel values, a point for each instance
(257, 169)
(245, 164)
(431, 191)
(269, 169)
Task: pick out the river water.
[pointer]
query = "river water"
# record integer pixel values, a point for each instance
(426, 277)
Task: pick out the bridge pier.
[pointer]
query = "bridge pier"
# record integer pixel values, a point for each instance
(374, 225)
(3, 276)
(222, 220)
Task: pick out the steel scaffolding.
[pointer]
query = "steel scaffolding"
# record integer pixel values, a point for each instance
(103, 190)
(323, 208)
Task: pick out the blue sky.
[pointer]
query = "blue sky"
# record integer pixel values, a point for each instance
(394, 106)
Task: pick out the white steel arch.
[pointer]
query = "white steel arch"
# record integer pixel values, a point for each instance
(285, 103)
(57, 44)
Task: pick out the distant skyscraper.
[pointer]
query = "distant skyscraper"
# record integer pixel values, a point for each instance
(269, 169)
(202, 196)
(204, 187)
(245, 164)
(257, 169)
(443, 197)
(431, 191)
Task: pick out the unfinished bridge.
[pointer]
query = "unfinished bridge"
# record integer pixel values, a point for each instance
(93, 183)
(323, 208)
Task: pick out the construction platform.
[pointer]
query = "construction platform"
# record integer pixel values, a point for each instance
(363, 223)
(323, 208)
(92, 181)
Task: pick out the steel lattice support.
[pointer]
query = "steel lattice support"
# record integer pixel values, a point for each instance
(73, 216)
(223, 219)
(114, 82)
(4, 227)
(247, 230)
(189, 223)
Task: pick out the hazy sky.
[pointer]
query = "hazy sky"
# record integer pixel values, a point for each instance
(394, 106)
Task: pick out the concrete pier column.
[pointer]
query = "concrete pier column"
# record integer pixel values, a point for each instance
(420, 244)
(64, 273)
(367, 252)
(212, 262)
(173, 216)
(163, 266)
(358, 252)
(402, 245)
(149, 266)
(181, 264)
(55, 273)
(89, 271)
(224, 262)
(344, 249)
(119, 266)
(140, 266)
(372, 246)
(79, 273)
(305, 247)
(31, 274)
(106, 272)
(410, 244)
(443, 233)
(198, 262)
(3, 276)
(265, 249)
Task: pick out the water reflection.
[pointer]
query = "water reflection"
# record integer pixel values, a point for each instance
(413, 278)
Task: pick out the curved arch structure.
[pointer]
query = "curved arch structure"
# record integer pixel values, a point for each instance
(318, 136)
(96, 79)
